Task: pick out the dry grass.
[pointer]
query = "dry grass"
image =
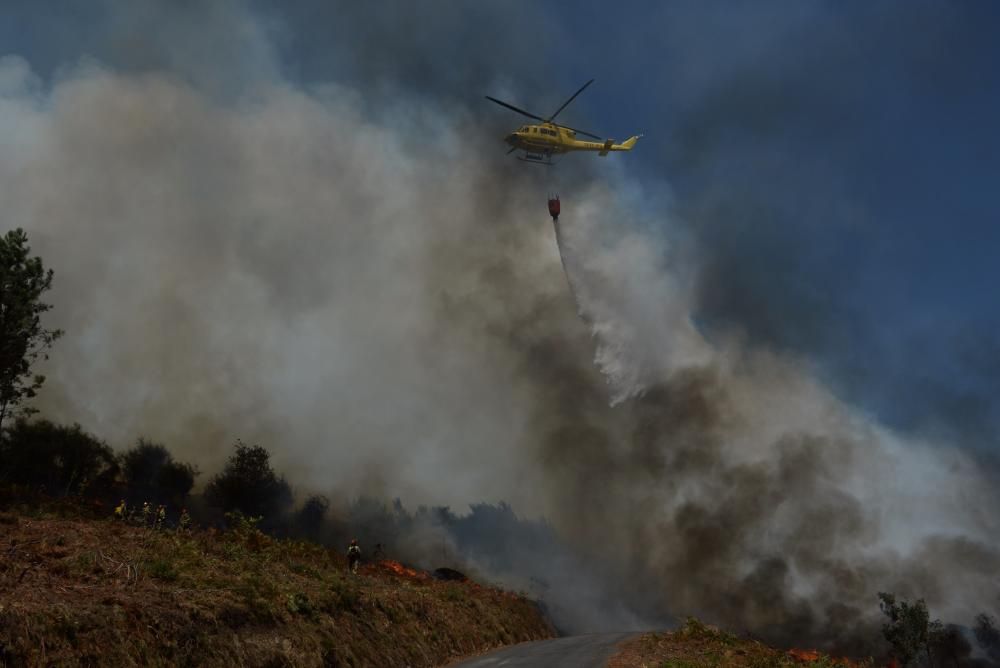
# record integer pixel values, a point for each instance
(98, 592)
(698, 645)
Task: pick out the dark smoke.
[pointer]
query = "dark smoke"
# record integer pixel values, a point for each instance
(745, 490)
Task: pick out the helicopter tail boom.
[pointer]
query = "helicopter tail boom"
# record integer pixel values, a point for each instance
(610, 145)
(628, 143)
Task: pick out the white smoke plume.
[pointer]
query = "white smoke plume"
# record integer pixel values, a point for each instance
(281, 269)
(640, 315)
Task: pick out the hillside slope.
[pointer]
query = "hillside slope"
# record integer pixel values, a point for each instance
(99, 592)
(698, 645)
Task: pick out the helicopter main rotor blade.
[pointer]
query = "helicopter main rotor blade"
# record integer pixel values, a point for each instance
(513, 108)
(573, 97)
(580, 132)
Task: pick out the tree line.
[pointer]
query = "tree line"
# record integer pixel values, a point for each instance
(43, 458)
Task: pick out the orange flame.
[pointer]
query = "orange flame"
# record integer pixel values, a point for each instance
(805, 654)
(401, 570)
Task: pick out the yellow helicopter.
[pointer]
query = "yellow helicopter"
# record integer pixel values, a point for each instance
(541, 142)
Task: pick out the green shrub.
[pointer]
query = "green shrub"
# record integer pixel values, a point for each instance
(454, 593)
(304, 570)
(341, 597)
(391, 613)
(298, 603)
(909, 628)
(162, 569)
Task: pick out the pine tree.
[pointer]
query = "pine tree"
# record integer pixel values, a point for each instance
(23, 340)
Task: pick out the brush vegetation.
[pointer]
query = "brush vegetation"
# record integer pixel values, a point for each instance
(698, 645)
(84, 591)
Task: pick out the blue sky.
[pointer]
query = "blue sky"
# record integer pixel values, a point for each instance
(836, 162)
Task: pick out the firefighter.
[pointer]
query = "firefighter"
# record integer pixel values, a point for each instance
(121, 510)
(185, 521)
(353, 556)
(147, 513)
(161, 516)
